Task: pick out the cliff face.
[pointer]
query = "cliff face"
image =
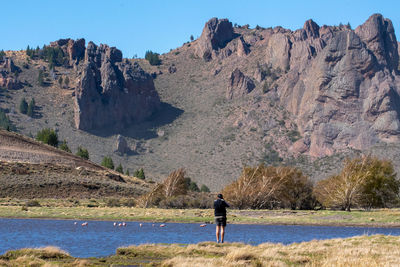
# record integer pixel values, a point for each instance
(341, 85)
(112, 92)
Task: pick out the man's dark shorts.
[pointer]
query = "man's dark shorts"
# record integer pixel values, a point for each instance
(220, 221)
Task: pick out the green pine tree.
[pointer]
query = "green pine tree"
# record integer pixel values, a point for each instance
(127, 172)
(204, 188)
(64, 146)
(82, 152)
(31, 108)
(108, 163)
(48, 136)
(23, 106)
(66, 81)
(139, 174)
(120, 169)
(41, 78)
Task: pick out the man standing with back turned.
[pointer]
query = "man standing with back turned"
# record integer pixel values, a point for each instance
(220, 216)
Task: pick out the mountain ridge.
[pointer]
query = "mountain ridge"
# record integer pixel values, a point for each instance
(238, 96)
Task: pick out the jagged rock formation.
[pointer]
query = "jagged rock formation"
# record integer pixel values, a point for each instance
(216, 34)
(112, 92)
(240, 85)
(340, 84)
(121, 146)
(7, 67)
(74, 49)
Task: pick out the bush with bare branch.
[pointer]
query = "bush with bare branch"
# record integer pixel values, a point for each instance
(174, 185)
(364, 181)
(268, 187)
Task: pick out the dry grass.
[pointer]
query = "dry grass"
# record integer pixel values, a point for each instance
(375, 250)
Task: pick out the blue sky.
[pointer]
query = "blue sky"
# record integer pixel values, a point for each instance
(161, 25)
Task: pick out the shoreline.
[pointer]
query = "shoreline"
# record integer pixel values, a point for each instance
(330, 224)
(99, 210)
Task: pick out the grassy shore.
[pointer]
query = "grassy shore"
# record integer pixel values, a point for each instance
(97, 209)
(375, 250)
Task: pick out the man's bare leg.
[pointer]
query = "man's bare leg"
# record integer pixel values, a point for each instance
(217, 232)
(222, 233)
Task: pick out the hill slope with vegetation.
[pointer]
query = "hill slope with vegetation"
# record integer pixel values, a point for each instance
(30, 169)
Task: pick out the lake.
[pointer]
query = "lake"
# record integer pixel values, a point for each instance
(102, 238)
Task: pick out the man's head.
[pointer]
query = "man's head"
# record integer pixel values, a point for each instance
(220, 196)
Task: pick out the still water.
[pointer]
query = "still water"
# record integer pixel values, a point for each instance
(102, 238)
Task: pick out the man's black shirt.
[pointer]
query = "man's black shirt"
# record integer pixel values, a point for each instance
(220, 207)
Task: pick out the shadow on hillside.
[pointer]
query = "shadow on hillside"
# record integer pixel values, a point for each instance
(147, 129)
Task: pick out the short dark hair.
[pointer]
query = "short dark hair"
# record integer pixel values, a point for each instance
(220, 196)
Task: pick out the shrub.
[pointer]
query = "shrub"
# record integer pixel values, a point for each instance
(5, 122)
(204, 188)
(64, 146)
(191, 185)
(139, 174)
(66, 81)
(363, 182)
(113, 202)
(120, 169)
(174, 185)
(152, 58)
(32, 203)
(41, 78)
(130, 202)
(194, 200)
(381, 188)
(48, 136)
(127, 172)
(108, 163)
(82, 152)
(268, 187)
(31, 108)
(23, 106)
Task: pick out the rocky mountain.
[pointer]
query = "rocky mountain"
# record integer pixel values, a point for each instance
(235, 96)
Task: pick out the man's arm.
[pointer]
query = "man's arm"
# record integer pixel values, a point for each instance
(226, 204)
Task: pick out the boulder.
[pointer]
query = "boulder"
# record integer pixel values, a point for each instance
(239, 86)
(172, 68)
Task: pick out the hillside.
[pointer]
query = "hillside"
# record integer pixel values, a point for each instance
(32, 169)
(235, 96)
